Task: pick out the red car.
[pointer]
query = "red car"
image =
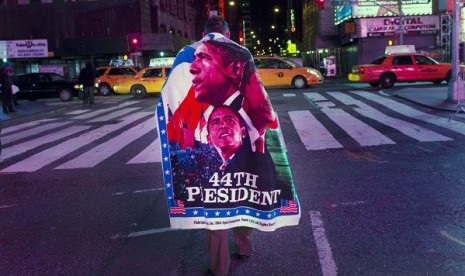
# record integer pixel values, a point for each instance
(389, 69)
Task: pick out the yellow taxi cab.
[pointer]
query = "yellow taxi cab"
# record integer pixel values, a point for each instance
(148, 80)
(388, 69)
(107, 77)
(279, 71)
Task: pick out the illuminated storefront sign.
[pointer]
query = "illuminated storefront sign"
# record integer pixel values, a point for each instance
(390, 10)
(367, 8)
(30, 48)
(383, 26)
(292, 20)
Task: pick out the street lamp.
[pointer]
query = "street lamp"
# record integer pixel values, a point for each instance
(233, 28)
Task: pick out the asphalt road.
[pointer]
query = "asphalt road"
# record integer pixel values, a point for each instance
(380, 181)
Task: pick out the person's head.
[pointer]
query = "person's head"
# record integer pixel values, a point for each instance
(226, 130)
(215, 24)
(220, 69)
(8, 67)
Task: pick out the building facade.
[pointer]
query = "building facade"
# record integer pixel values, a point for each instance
(98, 31)
(358, 33)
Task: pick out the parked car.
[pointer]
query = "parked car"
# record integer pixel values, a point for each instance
(147, 81)
(33, 86)
(277, 71)
(108, 76)
(386, 70)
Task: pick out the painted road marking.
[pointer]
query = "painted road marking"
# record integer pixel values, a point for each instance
(315, 97)
(150, 232)
(328, 266)
(116, 114)
(8, 206)
(150, 154)
(312, 133)
(416, 132)
(23, 126)
(77, 112)
(100, 111)
(406, 110)
(447, 235)
(52, 154)
(364, 134)
(18, 149)
(32, 131)
(101, 152)
(139, 191)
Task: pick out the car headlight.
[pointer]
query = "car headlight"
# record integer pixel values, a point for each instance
(315, 72)
(78, 86)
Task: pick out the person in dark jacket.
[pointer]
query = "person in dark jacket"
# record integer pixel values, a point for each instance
(6, 80)
(87, 79)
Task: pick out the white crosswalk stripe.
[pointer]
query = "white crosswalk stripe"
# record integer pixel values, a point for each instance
(86, 138)
(150, 154)
(313, 134)
(107, 149)
(54, 153)
(409, 129)
(18, 149)
(318, 138)
(103, 110)
(361, 132)
(15, 128)
(32, 131)
(114, 115)
(458, 127)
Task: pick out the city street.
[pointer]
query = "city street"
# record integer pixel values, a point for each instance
(380, 180)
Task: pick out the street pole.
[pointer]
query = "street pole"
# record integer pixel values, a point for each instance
(401, 23)
(453, 91)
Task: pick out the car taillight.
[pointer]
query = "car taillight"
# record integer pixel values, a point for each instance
(361, 70)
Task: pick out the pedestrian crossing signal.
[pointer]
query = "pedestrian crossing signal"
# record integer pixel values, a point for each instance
(320, 3)
(134, 42)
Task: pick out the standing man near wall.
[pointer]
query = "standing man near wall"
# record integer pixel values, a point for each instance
(6, 80)
(87, 79)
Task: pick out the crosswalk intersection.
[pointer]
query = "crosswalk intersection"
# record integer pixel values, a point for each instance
(85, 138)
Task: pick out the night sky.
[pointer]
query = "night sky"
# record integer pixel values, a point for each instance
(262, 15)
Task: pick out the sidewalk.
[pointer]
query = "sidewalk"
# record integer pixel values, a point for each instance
(433, 97)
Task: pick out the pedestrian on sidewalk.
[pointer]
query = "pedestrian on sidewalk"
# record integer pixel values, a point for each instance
(87, 78)
(6, 80)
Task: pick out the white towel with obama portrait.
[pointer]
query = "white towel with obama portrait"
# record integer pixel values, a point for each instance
(224, 163)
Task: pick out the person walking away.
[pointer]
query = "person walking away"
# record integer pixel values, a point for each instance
(87, 79)
(212, 72)
(6, 80)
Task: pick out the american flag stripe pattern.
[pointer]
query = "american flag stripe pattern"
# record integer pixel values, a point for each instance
(290, 208)
(178, 210)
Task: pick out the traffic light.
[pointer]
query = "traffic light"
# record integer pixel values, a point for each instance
(134, 42)
(320, 3)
